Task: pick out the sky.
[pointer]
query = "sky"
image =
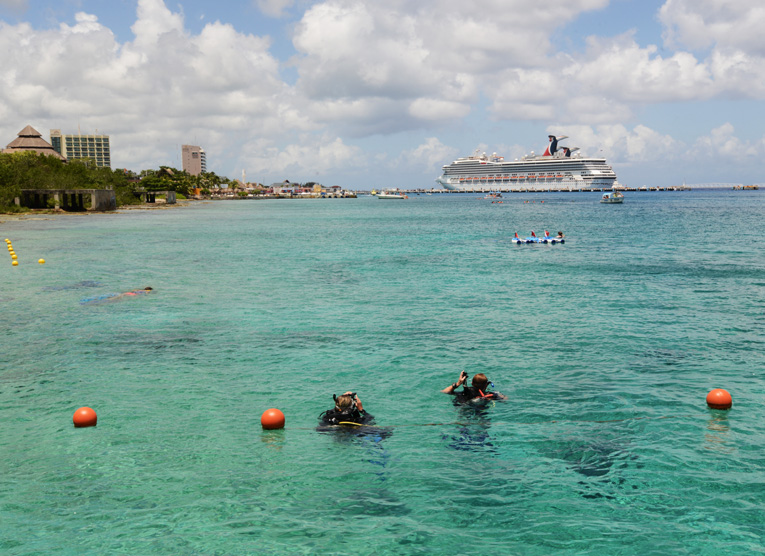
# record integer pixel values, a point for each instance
(370, 93)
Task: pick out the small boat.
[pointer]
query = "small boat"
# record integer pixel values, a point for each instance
(391, 194)
(547, 239)
(613, 198)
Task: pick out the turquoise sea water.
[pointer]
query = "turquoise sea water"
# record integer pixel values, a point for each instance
(606, 347)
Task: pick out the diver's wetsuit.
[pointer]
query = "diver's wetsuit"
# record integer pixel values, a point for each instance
(471, 393)
(351, 415)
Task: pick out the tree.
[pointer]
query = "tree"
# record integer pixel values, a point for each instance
(30, 170)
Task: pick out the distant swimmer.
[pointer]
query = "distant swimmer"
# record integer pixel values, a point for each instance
(108, 297)
(475, 393)
(560, 235)
(147, 289)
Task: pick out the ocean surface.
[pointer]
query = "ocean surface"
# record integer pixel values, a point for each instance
(606, 348)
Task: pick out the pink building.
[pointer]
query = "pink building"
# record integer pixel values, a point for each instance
(194, 160)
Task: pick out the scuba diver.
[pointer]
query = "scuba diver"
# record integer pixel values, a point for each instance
(348, 422)
(347, 411)
(474, 423)
(475, 393)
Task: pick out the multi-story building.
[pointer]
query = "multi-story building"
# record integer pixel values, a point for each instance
(73, 147)
(194, 159)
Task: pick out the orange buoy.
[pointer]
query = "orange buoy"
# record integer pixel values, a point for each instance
(719, 399)
(85, 417)
(272, 419)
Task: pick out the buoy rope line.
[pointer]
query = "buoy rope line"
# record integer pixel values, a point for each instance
(496, 423)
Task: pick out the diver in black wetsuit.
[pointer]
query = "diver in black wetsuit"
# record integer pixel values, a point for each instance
(476, 392)
(347, 411)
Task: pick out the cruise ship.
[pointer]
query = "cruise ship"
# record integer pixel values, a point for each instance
(559, 168)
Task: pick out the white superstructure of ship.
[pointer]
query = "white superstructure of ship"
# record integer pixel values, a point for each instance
(559, 168)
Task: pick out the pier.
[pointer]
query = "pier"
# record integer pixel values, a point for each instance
(506, 189)
(485, 190)
(151, 196)
(69, 200)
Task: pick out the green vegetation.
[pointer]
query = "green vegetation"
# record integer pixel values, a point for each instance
(171, 179)
(29, 170)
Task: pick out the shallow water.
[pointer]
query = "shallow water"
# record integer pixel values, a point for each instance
(606, 347)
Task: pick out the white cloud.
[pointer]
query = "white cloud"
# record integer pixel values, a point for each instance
(428, 157)
(737, 74)
(274, 8)
(421, 62)
(721, 142)
(154, 22)
(602, 85)
(311, 159)
(594, 109)
(731, 32)
(700, 24)
(620, 68)
(437, 109)
(526, 94)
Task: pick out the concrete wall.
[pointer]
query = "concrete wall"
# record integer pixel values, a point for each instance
(151, 196)
(70, 200)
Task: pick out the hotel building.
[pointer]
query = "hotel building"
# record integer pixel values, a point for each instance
(194, 159)
(73, 147)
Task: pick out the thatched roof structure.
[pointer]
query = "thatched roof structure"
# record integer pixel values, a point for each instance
(30, 139)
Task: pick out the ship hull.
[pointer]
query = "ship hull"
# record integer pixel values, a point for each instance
(541, 173)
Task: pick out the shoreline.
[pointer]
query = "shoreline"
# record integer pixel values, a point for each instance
(36, 214)
(182, 203)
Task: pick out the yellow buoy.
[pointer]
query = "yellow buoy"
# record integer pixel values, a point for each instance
(41, 261)
(14, 256)
(15, 263)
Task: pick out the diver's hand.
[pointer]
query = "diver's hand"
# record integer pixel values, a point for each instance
(462, 379)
